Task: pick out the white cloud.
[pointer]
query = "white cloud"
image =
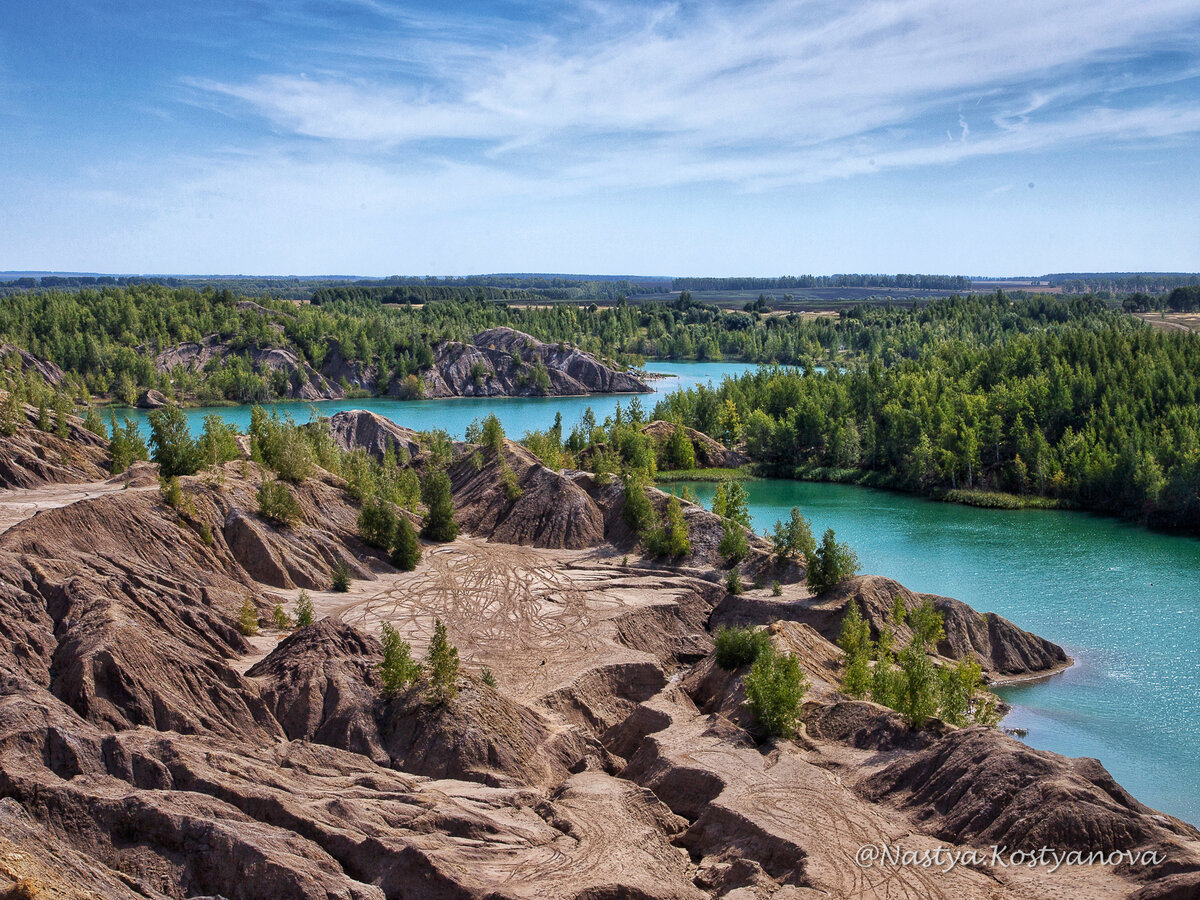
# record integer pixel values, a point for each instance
(725, 90)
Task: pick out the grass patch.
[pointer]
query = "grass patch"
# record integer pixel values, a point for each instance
(1001, 500)
(742, 474)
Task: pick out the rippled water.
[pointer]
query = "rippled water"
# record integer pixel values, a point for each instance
(1124, 601)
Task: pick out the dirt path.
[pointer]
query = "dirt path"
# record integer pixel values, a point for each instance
(535, 617)
(17, 505)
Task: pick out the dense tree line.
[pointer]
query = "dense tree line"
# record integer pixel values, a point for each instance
(1054, 399)
(793, 282)
(1122, 282)
(1181, 299)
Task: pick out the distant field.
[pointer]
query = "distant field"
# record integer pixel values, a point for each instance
(1172, 321)
(802, 298)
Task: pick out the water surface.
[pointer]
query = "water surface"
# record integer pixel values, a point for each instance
(1124, 602)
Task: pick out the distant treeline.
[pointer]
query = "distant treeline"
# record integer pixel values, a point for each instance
(1181, 299)
(1060, 399)
(794, 282)
(547, 287)
(1122, 282)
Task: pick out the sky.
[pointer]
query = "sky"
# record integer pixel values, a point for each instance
(371, 137)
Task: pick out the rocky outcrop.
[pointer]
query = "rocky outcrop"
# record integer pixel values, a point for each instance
(358, 428)
(300, 380)
(710, 454)
(27, 362)
(546, 508)
(501, 362)
(979, 786)
(612, 758)
(995, 643)
(1001, 648)
(30, 457)
(151, 399)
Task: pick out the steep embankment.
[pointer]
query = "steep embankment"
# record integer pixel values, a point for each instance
(499, 362)
(137, 760)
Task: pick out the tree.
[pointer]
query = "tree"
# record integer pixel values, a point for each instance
(398, 669)
(439, 524)
(11, 414)
(174, 449)
(775, 687)
(126, 445)
(276, 503)
(671, 536)
(927, 625)
(441, 661)
(916, 690)
(304, 610)
(493, 433)
(737, 647)
(830, 564)
(248, 618)
(341, 577)
(637, 511)
(731, 502)
(733, 546)
(677, 451)
(377, 521)
(218, 442)
(794, 537)
(279, 617)
(406, 552)
(855, 641)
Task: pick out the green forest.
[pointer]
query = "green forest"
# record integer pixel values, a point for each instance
(982, 398)
(1049, 400)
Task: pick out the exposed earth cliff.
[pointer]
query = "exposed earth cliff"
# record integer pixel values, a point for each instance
(149, 749)
(499, 362)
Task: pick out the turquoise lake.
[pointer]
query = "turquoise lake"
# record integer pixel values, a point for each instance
(1123, 601)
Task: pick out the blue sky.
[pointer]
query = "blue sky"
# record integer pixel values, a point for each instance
(374, 137)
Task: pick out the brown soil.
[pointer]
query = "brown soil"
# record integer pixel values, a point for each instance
(148, 749)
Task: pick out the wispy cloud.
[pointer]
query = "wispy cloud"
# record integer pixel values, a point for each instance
(781, 91)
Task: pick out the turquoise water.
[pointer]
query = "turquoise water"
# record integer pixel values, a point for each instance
(518, 414)
(1122, 600)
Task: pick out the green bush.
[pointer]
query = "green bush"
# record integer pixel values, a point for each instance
(677, 451)
(278, 443)
(341, 577)
(276, 503)
(917, 687)
(730, 501)
(218, 442)
(830, 564)
(439, 524)
(637, 511)
(671, 536)
(248, 618)
(775, 688)
(280, 619)
(733, 546)
(441, 661)
(793, 537)
(125, 446)
(398, 669)
(406, 552)
(508, 481)
(304, 610)
(488, 677)
(174, 450)
(736, 647)
(377, 522)
(733, 582)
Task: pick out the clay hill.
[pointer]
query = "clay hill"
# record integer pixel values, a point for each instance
(148, 749)
(499, 362)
